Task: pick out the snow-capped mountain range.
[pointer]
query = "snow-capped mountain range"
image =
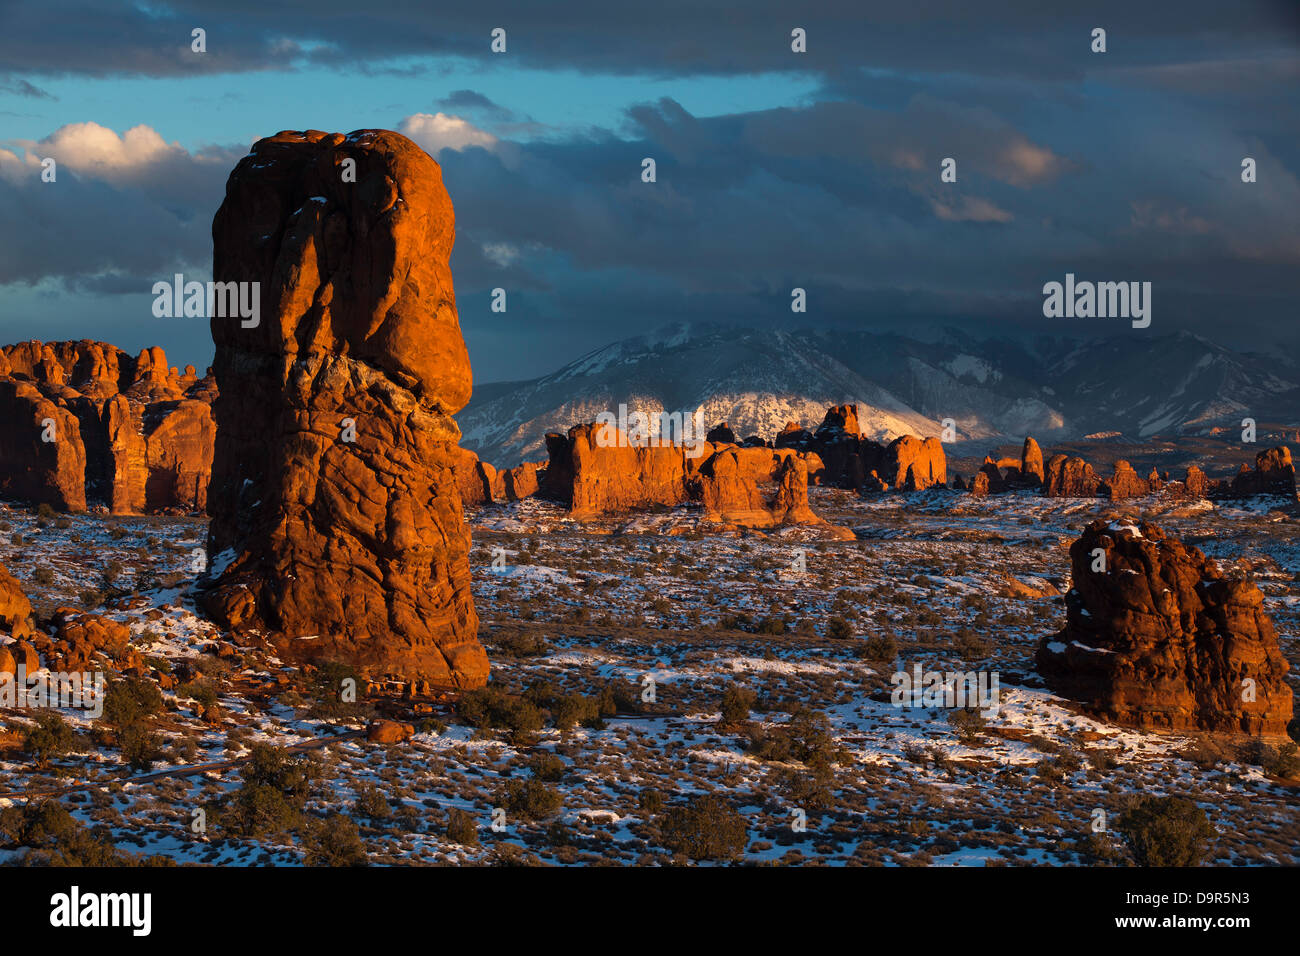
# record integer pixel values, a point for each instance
(993, 389)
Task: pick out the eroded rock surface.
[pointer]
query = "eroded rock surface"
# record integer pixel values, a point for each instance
(1159, 638)
(350, 548)
(83, 423)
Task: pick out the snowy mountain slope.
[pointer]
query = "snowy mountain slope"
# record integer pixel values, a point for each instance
(993, 389)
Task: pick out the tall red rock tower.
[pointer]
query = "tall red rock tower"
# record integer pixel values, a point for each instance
(336, 522)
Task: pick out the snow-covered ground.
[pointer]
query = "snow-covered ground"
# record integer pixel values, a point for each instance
(662, 619)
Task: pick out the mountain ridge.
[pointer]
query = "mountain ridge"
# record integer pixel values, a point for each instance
(987, 389)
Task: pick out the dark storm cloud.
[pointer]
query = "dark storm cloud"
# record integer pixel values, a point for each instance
(472, 101)
(122, 212)
(669, 37)
(845, 200)
(1117, 167)
(23, 88)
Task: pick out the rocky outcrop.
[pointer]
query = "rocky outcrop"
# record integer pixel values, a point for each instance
(608, 475)
(1124, 482)
(80, 637)
(84, 423)
(912, 464)
(42, 457)
(521, 482)
(335, 504)
(1068, 477)
(480, 483)
(1195, 483)
(721, 433)
(15, 609)
(1274, 474)
(988, 480)
(1031, 462)
(1157, 637)
(598, 473)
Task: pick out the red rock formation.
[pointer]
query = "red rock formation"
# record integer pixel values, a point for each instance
(473, 477)
(912, 464)
(1274, 474)
(15, 609)
(597, 473)
(793, 435)
(1196, 484)
(521, 482)
(721, 433)
(1161, 639)
(129, 432)
(179, 452)
(846, 456)
(42, 458)
(988, 480)
(1124, 483)
(1070, 478)
(346, 549)
(1031, 462)
(611, 476)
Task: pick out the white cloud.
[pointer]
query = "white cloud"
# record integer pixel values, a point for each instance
(502, 253)
(98, 151)
(438, 131)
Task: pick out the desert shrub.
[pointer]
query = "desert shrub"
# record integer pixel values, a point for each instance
(140, 747)
(48, 835)
(1166, 831)
(650, 801)
(490, 707)
(970, 646)
(547, 766)
(130, 702)
(1279, 761)
(618, 697)
(45, 510)
(201, 692)
(570, 710)
(372, 804)
(530, 799)
(968, 722)
(706, 828)
(879, 647)
(43, 577)
(461, 828)
(51, 737)
(839, 629)
(737, 702)
(334, 841)
(806, 737)
(516, 644)
(110, 573)
(810, 788)
(773, 624)
(737, 622)
(326, 691)
(128, 706)
(275, 787)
